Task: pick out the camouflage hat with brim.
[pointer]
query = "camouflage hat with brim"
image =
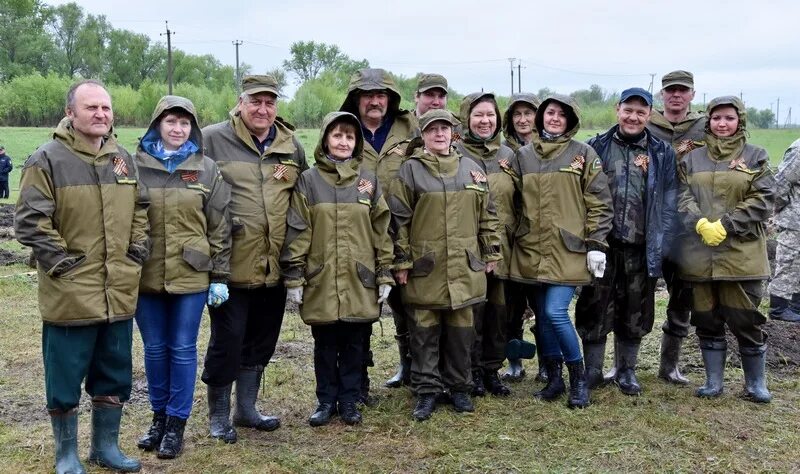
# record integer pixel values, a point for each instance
(437, 115)
(257, 84)
(427, 82)
(678, 78)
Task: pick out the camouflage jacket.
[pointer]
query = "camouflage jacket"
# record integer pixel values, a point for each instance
(684, 136)
(787, 189)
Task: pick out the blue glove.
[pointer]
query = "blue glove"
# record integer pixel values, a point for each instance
(217, 294)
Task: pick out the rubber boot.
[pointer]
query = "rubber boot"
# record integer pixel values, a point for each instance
(611, 375)
(65, 436)
(172, 443)
(555, 380)
(152, 439)
(426, 404)
(714, 354)
(364, 397)
(754, 361)
(670, 357)
(478, 388)
(403, 374)
(219, 413)
(781, 309)
(626, 371)
(246, 415)
(491, 380)
(594, 354)
(515, 371)
(106, 415)
(578, 388)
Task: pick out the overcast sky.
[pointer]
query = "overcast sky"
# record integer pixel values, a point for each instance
(732, 47)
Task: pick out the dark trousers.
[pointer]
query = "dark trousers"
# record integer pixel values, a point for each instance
(623, 300)
(516, 304)
(4, 190)
(441, 341)
(735, 303)
(99, 353)
(488, 349)
(338, 356)
(680, 301)
(244, 331)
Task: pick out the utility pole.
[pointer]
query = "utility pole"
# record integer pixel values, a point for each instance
(237, 43)
(704, 101)
(511, 61)
(778, 114)
(652, 78)
(169, 56)
(519, 76)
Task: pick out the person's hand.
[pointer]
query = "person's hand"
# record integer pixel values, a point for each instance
(217, 294)
(383, 293)
(596, 263)
(66, 264)
(713, 233)
(490, 266)
(295, 295)
(401, 277)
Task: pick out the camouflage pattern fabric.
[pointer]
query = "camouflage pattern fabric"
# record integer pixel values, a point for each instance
(786, 281)
(626, 167)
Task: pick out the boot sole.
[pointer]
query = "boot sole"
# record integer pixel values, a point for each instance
(98, 462)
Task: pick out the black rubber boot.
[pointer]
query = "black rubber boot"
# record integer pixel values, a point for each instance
(462, 402)
(670, 357)
(754, 361)
(106, 415)
(349, 413)
(478, 389)
(594, 354)
(714, 354)
(555, 380)
(152, 439)
(246, 415)
(494, 386)
(426, 404)
(403, 374)
(611, 375)
(172, 444)
(578, 388)
(515, 371)
(781, 309)
(626, 372)
(219, 413)
(65, 436)
(323, 414)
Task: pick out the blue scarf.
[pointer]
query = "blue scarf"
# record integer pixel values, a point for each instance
(153, 146)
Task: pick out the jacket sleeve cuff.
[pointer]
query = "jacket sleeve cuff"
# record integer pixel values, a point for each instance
(596, 245)
(293, 283)
(727, 224)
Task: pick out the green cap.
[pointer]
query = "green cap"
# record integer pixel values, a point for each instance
(255, 84)
(678, 78)
(436, 115)
(431, 81)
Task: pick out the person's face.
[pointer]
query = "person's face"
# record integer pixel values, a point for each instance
(437, 137)
(632, 116)
(91, 112)
(522, 119)
(677, 98)
(483, 120)
(175, 130)
(373, 105)
(554, 119)
(340, 141)
(258, 112)
(435, 98)
(724, 121)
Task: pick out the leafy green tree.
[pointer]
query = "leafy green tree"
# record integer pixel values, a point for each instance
(309, 59)
(131, 58)
(280, 76)
(66, 24)
(25, 46)
(93, 39)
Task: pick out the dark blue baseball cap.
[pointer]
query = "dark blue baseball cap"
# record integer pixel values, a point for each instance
(636, 92)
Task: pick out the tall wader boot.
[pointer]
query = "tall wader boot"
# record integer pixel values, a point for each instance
(783, 309)
(594, 354)
(65, 435)
(714, 354)
(754, 361)
(246, 415)
(670, 357)
(403, 374)
(219, 413)
(578, 389)
(555, 380)
(626, 371)
(106, 415)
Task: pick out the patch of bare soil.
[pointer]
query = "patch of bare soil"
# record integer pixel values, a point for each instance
(8, 257)
(6, 215)
(783, 346)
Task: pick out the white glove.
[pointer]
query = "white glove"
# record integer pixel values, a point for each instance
(596, 263)
(295, 295)
(383, 293)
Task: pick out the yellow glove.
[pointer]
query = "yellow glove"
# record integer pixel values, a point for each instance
(713, 233)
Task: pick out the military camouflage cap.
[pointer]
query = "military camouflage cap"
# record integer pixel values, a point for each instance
(437, 115)
(427, 82)
(678, 78)
(255, 84)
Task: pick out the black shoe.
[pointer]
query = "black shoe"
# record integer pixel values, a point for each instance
(462, 402)
(323, 414)
(152, 439)
(349, 413)
(219, 410)
(578, 389)
(246, 415)
(782, 309)
(555, 380)
(426, 404)
(626, 373)
(478, 389)
(494, 386)
(541, 374)
(172, 443)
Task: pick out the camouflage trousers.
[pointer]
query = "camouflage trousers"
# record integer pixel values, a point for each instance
(735, 303)
(441, 340)
(786, 281)
(488, 349)
(623, 300)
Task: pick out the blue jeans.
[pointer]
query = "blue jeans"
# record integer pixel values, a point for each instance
(169, 326)
(557, 334)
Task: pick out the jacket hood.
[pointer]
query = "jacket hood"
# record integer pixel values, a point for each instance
(732, 101)
(328, 123)
(469, 102)
(518, 98)
(371, 80)
(571, 109)
(176, 102)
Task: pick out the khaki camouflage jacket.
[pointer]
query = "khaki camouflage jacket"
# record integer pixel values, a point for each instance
(684, 136)
(787, 189)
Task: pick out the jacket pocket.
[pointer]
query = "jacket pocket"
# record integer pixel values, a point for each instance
(237, 226)
(475, 263)
(572, 241)
(197, 259)
(423, 266)
(314, 272)
(365, 275)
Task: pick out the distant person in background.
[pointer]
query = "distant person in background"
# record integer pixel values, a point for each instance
(784, 289)
(431, 93)
(5, 169)
(188, 265)
(83, 211)
(685, 130)
(518, 126)
(727, 195)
